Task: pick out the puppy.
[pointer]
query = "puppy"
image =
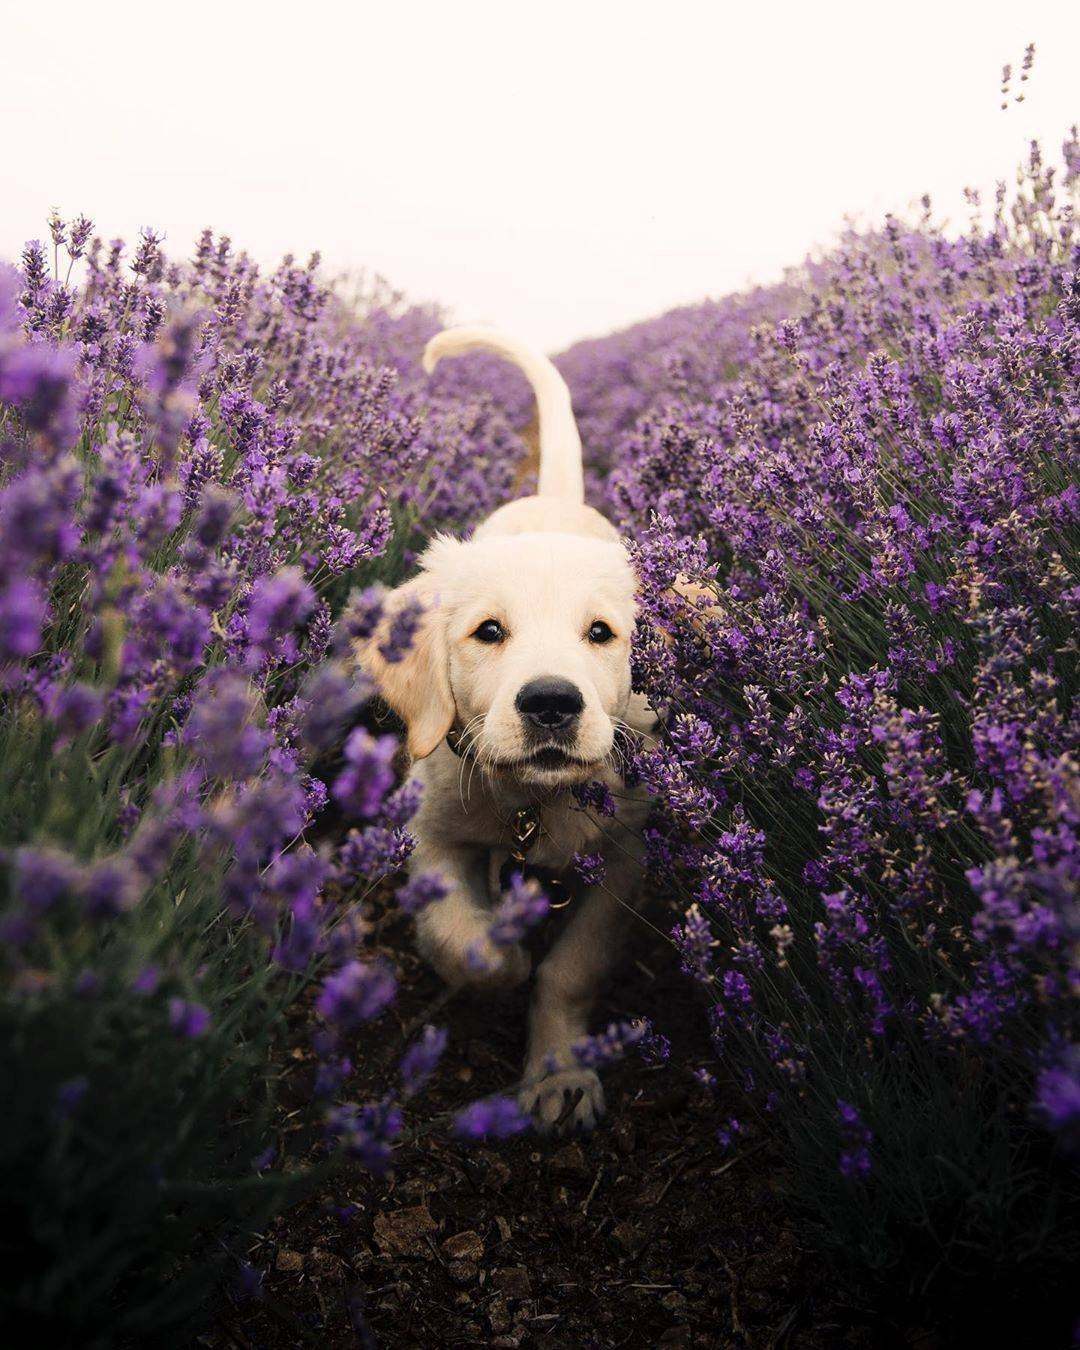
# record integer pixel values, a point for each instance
(516, 688)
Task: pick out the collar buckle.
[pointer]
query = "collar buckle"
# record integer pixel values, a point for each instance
(526, 830)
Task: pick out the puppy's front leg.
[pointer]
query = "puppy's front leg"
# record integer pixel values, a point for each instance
(453, 933)
(557, 1091)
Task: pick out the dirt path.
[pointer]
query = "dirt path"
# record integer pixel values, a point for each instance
(645, 1234)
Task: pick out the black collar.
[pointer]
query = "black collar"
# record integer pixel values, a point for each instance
(453, 740)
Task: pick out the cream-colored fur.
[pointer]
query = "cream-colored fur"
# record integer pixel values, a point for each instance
(546, 568)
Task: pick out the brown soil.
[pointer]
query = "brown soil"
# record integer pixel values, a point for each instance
(645, 1234)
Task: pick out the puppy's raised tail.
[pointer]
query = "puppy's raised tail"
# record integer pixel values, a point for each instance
(560, 444)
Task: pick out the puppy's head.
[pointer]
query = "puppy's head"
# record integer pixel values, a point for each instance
(523, 648)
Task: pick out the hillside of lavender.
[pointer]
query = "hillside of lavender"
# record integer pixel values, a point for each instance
(867, 784)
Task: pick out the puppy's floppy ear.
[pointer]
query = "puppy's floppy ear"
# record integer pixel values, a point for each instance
(417, 686)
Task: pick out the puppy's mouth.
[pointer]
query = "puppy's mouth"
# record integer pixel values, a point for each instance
(553, 764)
(547, 761)
(553, 757)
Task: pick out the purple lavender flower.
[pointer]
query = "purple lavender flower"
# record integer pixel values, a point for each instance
(491, 1118)
(147, 980)
(331, 1073)
(217, 507)
(375, 851)
(110, 887)
(296, 880)
(856, 1138)
(43, 878)
(727, 1133)
(18, 929)
(594, 1052)
(36, 526)
(79, 232)
(590, 867)
(22, 614)
(426, 888)
(356, 993)
(654, 1048)
(421, 1059)
(523, 905)
(400, 807)
(737, 988)
(401, 632)
(221, 728)
(595, 796)
(188, 1019)
(36, 378)
(157, 512)
(368, 775)
(169, 626)
(278, 605)
(366, 1133)
(74, 708)
(1057, 1097)
(331, 697)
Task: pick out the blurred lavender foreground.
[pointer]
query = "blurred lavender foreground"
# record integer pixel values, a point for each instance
(867, 782)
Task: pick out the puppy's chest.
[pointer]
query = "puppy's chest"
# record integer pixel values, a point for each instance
(562, 833)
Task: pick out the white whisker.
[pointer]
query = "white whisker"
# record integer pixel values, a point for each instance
(469, 733)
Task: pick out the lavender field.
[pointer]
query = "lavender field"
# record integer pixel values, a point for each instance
(864, 855)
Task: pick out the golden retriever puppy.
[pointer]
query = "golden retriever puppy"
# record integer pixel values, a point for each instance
(516, 688)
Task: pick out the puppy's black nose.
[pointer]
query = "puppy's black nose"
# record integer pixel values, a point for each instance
(549, 703)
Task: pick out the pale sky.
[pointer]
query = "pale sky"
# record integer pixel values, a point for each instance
(558, 169)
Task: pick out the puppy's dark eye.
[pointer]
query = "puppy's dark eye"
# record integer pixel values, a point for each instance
(491, 630)
(600, 633)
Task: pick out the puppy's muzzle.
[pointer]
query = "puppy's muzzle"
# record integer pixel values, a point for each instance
(549, 706)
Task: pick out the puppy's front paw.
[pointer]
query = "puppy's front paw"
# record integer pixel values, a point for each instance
(564, 1102)
(463, 954)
